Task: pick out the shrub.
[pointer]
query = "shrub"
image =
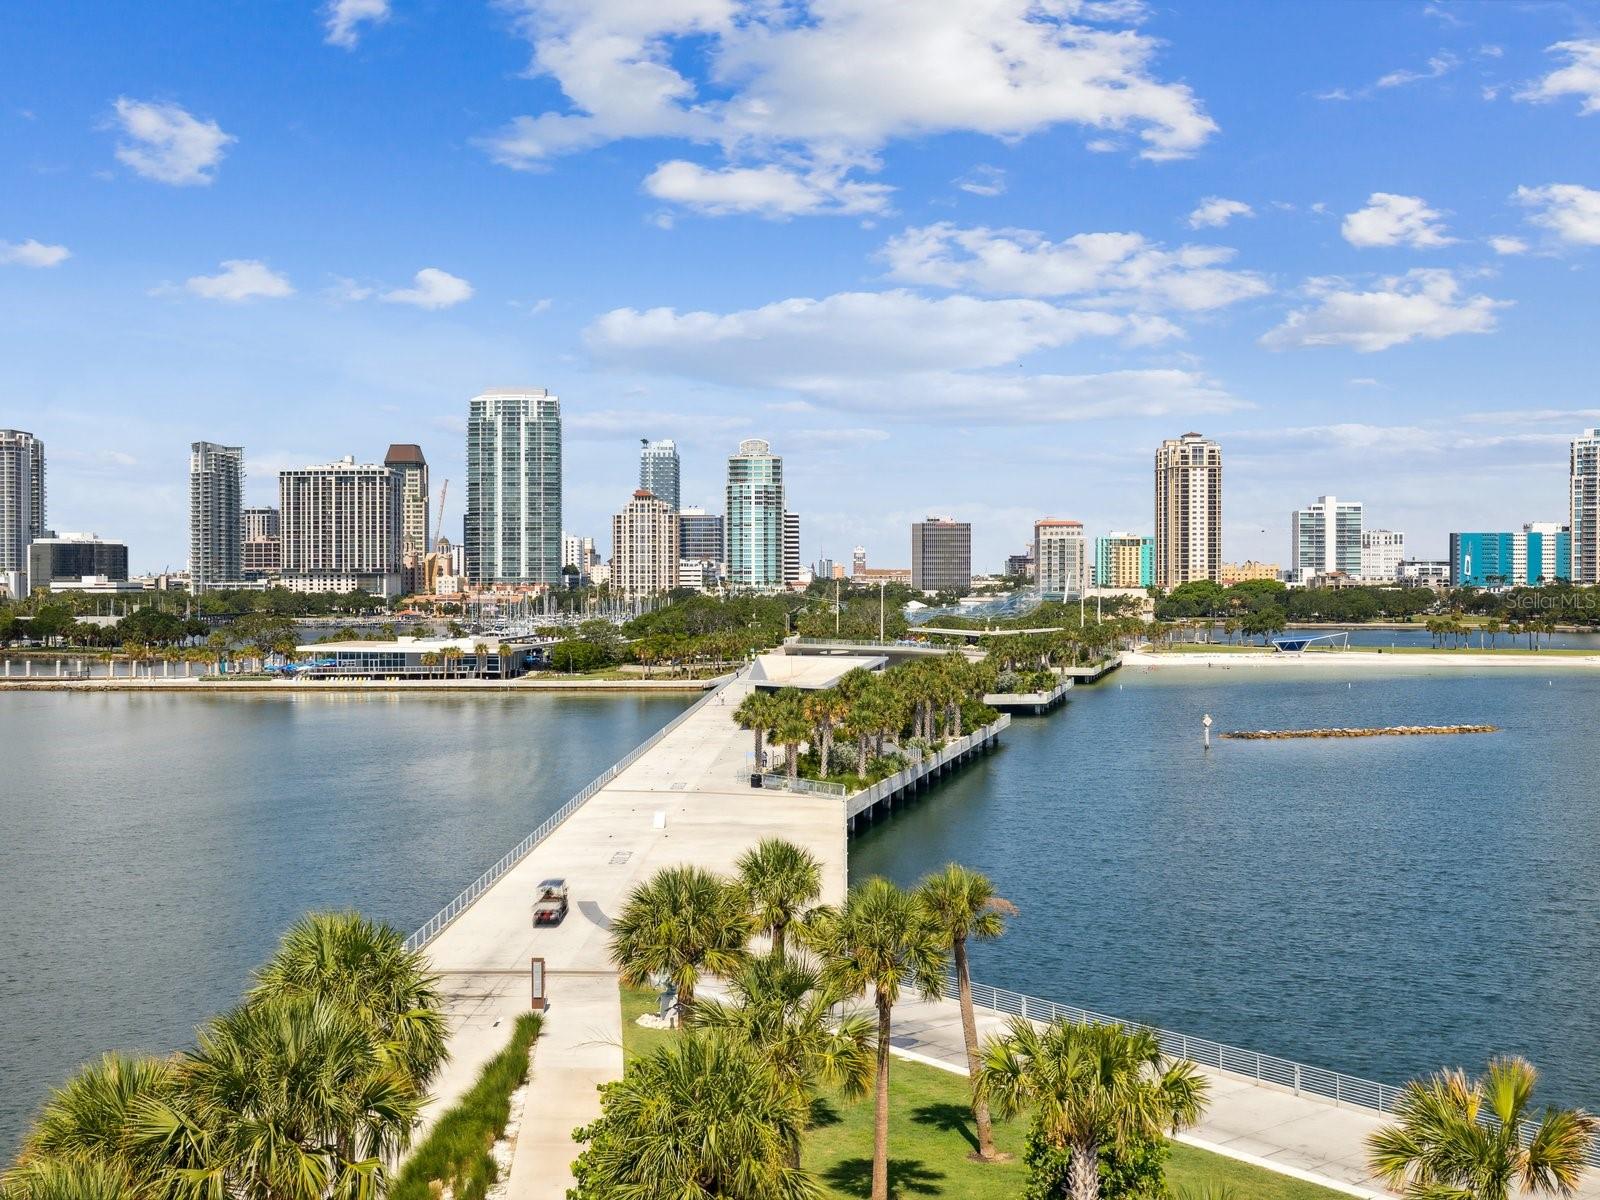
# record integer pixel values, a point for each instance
(456, 1153)
(1137, 1173)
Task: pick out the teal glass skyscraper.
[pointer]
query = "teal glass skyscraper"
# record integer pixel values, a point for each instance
(513, 520)
(754, 522)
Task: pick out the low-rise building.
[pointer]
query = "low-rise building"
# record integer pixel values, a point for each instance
(421, 658)
(69, 557)
(1247, 571)
(1423, 572)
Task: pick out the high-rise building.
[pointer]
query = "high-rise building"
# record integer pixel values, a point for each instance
(1125, 560)
(754, 525)
(342, 528)
(791, 549)
(1020, 566)
(658, 470)
(941, 555)
(700, 536)
(216, 491)
(21, 506)
(1382, 552)
(1325, 536)
(261, 543)
(1188, 510)
(72, 557)
(858, 560)
(1540, 553)
(1583, 514)
(406, 461)
(579, 553)
(1061, 561)
(644, 547)
(513, 521)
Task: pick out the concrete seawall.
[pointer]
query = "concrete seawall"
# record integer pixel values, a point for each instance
(303, 687)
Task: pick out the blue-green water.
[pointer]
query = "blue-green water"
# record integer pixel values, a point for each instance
(1378, 906)
(152, 848)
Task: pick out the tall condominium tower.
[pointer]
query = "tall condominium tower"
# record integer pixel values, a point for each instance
(406, 461)
(754, 524)
(1188, 511)
(941, 555)
(644, 547)
(21, 506)
(1325, 536)
(513, 521)
(1584, 510)
(658, 470)
(791, 548)
(216, 486)
(1061, 559)
(341, 528)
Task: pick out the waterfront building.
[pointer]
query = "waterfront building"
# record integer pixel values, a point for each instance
(1247, 571)
(1583, 513)
(73, 557)
(1540, 553)
(1188, 538)
(1325, 536)
(1060, 559)
(1020, 566)
(755, 522)
(644, 547)
(1382, 551)
(22, 496)
(1123, 560)
(405, 460)
(1420, 572)
(659, 470)
(421, 658)
(791, 549)
(513, 518)
(341, 528)
(216, 491)
(858, 560)
(941, 555)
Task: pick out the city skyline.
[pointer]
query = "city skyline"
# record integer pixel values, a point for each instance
(196, 249)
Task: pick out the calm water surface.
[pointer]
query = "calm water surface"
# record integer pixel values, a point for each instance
(152, 848)
(1378, 906)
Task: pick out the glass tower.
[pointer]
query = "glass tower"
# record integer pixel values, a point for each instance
(513, 520)
(658, 470)
(216, 489)
(754, 521)
(21, 505)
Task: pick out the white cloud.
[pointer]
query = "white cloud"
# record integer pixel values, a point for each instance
(431, 288)
(241, 279)
(167, 144)
(1390, 220)
(1440, 64)
(1215, 212)
(345, 18)
(1580, 77)
(769, 191)
(33, 254)
(1112, 269)
(1568, 210)
(809, 84)
(901, 353)
(983, 180)
(1508, 245)
(1425, 304)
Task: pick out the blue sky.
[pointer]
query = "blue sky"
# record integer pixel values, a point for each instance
(975, 257)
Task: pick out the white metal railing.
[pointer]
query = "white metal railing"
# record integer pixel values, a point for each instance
(517, 853)
(1302, 1079)
(859, 802)
(811, 787)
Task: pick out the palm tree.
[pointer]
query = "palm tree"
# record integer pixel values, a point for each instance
(860, 723)
(66, 1179)
(1442, 1146)
(480, 658)
(779, 880)
(89, 1120)
(755, 713)
(823, 709)
(701, 1116)
(680, 922)
(1090, 1086)
(781, 1011)
(282, 1099)
(962, 904)
(790, 728)
(880, 941)
(364, 967)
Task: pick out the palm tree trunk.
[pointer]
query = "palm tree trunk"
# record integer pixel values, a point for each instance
(1083, 1175)
(793, 749)
(969, 1033)
(861, 757)
(880, 1114)
(780, 930)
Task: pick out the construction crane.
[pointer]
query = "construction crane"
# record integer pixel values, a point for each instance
(438, 525)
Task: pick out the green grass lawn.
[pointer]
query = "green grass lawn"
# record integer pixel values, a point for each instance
(931, 1136)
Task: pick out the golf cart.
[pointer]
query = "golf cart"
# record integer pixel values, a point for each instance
(551, 906)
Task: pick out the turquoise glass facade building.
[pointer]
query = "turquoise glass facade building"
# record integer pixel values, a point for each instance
(1538, 554)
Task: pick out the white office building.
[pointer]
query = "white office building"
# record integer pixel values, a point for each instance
(1382, 552)
(1325, 537)
(21, 506)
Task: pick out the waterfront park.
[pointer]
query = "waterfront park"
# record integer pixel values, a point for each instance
(730, 1009)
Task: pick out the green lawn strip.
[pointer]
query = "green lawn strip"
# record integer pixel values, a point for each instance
(456, 1152)
(931, 1135)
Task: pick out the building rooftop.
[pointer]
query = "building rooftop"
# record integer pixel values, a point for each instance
(406, 453)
